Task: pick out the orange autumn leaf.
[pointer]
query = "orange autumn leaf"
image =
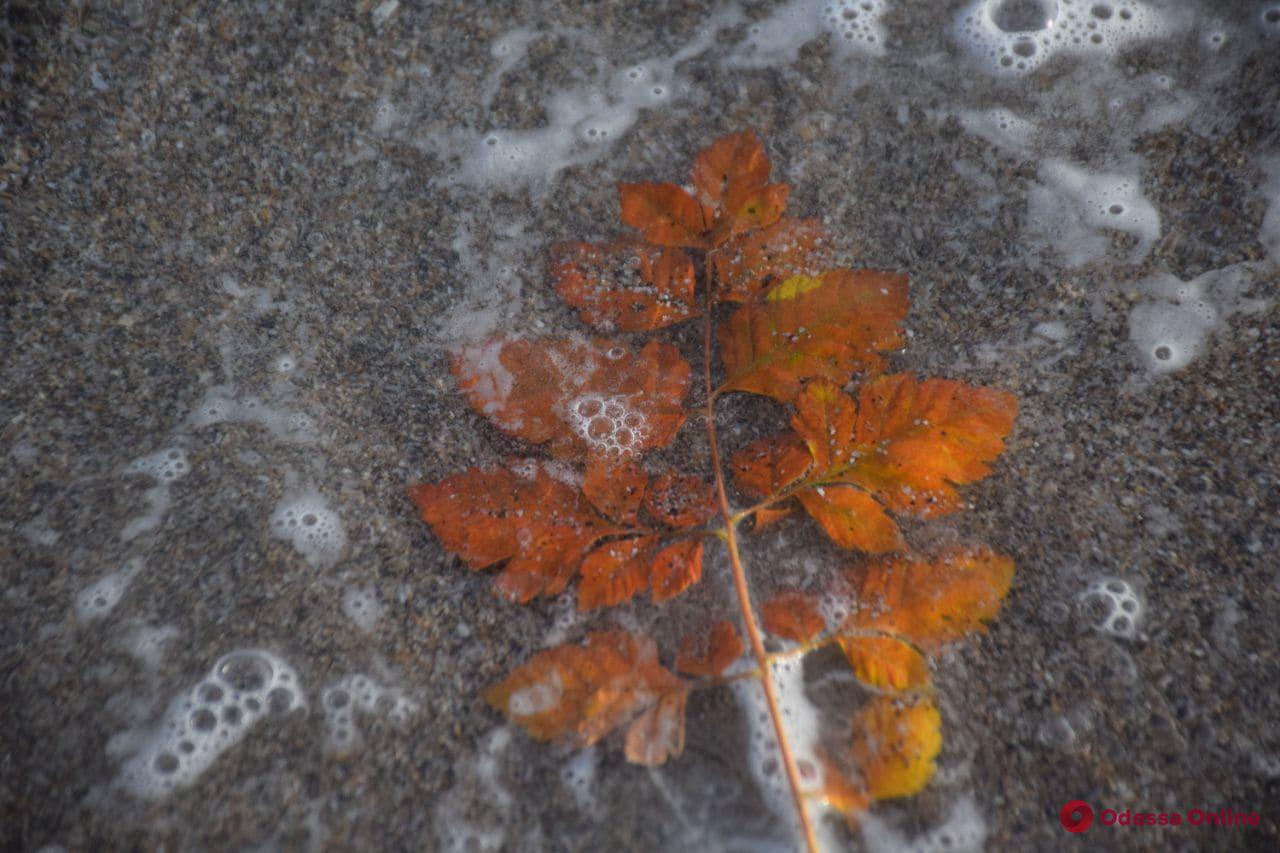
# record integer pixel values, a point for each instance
(852, 519)
(579, 694)
(895, 743)
(813, 328)
(680, 501)
(793, 616)
(769, 516)
(626, 285)
(906, 442)
(665, 213)
(616, 485)
(731, 182)
(767, 466)
(616, 571)
(709, 655)
(576, 396)
(929, 601)
(886, 662)
(540, 527)
(748, 265)
(675, 568)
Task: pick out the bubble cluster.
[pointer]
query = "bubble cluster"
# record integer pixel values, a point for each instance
(1124, 608)
(101, 597)
(313, 529)
(1018, 36)
(608, 423)
(1000, 127)
(857, 22)
(361, 605)
(242, 688)
(165, 466)
(359, 693)
(852, 25)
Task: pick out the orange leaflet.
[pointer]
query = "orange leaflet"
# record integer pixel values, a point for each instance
(765, 467)
(894, 745)
(918, 603)
(907, 442)
(577, 396)
(852, 519)
(680, 500)
(626, 285)
(709, 655)
(666, 214)
(616, 571)
(748, 265)
(676, 568)
(616, 485)
(731, 180)
(538, 525)
(793, 616)
(809, 328)
(930, 600)
(579, 694)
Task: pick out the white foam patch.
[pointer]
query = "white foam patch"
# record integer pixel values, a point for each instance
(579, 775)
(1173, 328)
(1269, 232)
(1073, 208)
(803, 728)
(853, 26)
(355, 695)
(146, 643)
(224, 405)
(582, 122)
(201, 724)
(472, 817)
(1124, 606)
(1018, 36)
(608, 424)
(165, 467)
(101, 597)
(963, 831)
(362, 606)
(315, 531)
(1001, 127)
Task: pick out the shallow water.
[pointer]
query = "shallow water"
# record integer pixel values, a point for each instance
(241, 243)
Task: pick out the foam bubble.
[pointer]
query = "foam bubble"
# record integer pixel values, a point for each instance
(1269, 18)
(361, 605)
(101, 597)
(579, 775)
(1269, 232)
(608, 423)
(225, 405)
(165, 467)
(1072, 207)
(314, 530)
(358, 693)
(1124, 607)
(202, 723)
(1018, 36)
(853, 27)
(1172, 329)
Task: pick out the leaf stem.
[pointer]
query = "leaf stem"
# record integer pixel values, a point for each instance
(744, 594)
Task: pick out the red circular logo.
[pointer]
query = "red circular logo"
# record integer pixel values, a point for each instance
(1076, 816)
